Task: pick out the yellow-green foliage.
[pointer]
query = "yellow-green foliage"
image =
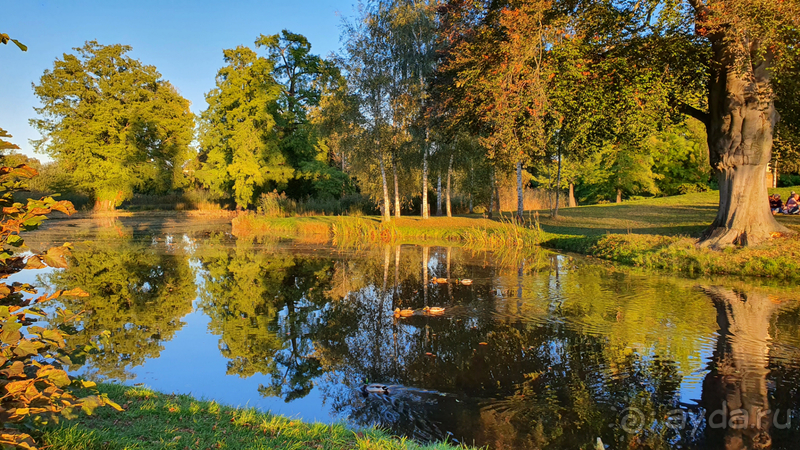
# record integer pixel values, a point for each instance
(34, 387)
(478, 233)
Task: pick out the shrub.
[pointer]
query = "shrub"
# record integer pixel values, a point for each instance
(272, 204)
(34, 387)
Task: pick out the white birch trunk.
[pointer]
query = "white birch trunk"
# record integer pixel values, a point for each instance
(425, 214)
(439, 195)
(386, 205)
(448, 205)
(396, 188)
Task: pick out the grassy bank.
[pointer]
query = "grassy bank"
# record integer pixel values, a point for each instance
(472, 231)
(153, 420)
(780, 258)
(661, 234)
(657, 233)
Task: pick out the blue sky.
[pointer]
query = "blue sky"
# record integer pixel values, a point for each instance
(183, 39)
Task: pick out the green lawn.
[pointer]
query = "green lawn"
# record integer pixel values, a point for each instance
(679, 215)
(153, 420)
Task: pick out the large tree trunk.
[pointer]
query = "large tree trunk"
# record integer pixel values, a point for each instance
(396, 188)
(104, 205)
(572, 202)
(425, 213)
(107, 200)
(448, 205)
(439, 195)
(520, 193)
(740, 123)
(385, 211)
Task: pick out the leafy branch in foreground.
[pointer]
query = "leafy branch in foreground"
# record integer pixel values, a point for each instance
(4, 39)
(34, 387)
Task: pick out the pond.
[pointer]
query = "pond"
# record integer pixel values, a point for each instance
(541, 350)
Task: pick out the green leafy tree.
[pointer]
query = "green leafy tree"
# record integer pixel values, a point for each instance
(303, 79)
(718, 61)
(367, 63)
(240, 152)
(113, 123)
(680, 156)
(500, 64)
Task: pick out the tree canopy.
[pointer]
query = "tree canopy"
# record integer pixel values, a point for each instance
(113, 123)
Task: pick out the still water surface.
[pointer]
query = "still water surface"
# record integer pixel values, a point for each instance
(540, 351)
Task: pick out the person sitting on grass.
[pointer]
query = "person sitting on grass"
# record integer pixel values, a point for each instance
(775, 203)
(792, 205)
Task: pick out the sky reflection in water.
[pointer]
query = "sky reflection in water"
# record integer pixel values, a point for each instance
(541, 351)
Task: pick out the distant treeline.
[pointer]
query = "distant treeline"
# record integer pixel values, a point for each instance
(428, 106)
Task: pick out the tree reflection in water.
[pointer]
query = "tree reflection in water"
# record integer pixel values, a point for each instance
(539, 352)
(138, 292)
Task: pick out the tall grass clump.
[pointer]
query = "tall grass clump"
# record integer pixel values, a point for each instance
(352, 231)
(508, 233)
(273, 204)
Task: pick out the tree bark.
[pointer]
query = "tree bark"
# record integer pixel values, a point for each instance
(496, 188)
(572, 202)
(775, 173)
(107, 200)
(386, 212)
(558, 185)
(740, 124)
(104, 205)
(425, 213)
(471, 187)
(491, 195)
(619, 195)
(439, 195)
(396, 188)
(520, 193)
(448, 205)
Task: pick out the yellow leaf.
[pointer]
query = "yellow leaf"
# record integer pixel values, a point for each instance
(77, 292)
(34, 262)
